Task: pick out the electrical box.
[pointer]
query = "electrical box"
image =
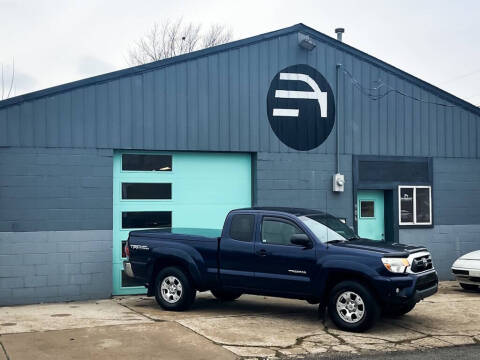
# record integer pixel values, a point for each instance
(338, 182)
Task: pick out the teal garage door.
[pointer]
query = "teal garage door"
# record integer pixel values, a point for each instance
(175, 189)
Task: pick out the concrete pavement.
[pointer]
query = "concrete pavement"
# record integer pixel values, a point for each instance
(140, 341)
(250, 327)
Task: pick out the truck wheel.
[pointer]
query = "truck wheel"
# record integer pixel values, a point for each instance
(174, 290)
(469, 286)
(352, 307)
(399, 310)
(225, 295)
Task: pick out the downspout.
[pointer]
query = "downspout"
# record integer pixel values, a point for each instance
(337, 108)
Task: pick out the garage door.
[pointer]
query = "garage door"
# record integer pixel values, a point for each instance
(179, 189)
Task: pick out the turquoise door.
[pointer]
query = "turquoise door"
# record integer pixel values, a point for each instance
(370, 209)
(174, 189)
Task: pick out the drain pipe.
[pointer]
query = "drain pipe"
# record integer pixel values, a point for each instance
(339, 32)
(337, 108)
(338, 178)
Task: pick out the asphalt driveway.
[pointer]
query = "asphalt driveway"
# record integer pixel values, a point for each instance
(251, 327)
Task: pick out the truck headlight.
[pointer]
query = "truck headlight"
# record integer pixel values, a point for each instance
(396, 265)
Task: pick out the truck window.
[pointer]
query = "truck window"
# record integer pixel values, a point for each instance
(241, 227)
(278, 232)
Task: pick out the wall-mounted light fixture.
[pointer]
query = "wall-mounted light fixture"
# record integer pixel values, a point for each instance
(305, 42)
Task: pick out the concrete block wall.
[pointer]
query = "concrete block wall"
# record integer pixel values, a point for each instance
(456, 214)
(445, 242)
(456, 191)
(47, 266)
(303, 180)
(55, 224)
(45, 189)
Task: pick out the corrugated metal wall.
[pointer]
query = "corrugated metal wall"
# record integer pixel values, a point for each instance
(218, 103)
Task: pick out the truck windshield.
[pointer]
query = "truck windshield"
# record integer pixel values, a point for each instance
(328, 228)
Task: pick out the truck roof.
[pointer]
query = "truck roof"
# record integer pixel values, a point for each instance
(288, 210)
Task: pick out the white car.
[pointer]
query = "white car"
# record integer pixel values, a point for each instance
(467, 270)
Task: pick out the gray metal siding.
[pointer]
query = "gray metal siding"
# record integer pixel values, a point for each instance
(55, 189)
(217, 103)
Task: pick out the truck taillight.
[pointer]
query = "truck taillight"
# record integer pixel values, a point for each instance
(127, 249)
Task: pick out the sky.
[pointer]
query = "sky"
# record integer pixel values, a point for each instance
(56, 41)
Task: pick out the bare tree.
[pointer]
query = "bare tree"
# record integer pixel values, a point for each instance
(172, 38)
(217, 34)
(4, 93)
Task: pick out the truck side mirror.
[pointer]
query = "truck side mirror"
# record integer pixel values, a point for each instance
(301, 240)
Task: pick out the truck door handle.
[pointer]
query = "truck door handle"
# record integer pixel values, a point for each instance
(262, 252)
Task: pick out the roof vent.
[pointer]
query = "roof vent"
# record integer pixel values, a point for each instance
(339, 32)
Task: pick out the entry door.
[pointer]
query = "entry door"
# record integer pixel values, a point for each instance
(370, 207)
(175, 189)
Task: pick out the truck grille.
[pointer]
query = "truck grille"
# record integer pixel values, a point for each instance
(422, 263)
(426, 281)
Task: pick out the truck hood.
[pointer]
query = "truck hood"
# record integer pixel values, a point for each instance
(381, 247)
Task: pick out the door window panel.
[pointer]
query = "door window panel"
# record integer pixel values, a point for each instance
(140, 162)
(367, 209)
(241, 227)
(146, 219)
(278, 232)
(146, 191)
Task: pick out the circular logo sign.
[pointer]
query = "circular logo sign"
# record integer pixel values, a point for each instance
(301, 107)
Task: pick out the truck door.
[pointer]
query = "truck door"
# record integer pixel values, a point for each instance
(281, 266)
(236, 254)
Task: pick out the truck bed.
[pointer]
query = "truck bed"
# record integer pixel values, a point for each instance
(197, 247)
(178, 233)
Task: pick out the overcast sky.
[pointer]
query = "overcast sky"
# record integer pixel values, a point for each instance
(57, 41)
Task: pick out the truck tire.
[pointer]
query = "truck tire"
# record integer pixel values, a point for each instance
(352, 307)
(399, 310)
(173, 289)
(225, 295)
(469, 286)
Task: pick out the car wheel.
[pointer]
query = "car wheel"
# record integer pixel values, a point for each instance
(399, 310)
(352, 307)
(225, 295)
(173, 289)
(469, 286)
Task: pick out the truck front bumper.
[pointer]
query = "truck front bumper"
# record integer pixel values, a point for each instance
(410, 288)
(127, 268)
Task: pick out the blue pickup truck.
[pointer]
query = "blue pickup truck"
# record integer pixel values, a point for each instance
(285, 252)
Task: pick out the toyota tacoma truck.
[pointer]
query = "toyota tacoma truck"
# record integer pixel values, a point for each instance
(285, 252)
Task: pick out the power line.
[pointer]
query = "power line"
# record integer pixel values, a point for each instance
(369, 92)
(460, 77)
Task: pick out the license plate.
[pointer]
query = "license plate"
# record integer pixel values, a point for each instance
(475, 273)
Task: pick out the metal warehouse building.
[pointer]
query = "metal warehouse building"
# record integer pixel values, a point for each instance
(268, 120)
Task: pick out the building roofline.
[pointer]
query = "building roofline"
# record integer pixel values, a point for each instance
(445, 95)
(140, 69)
